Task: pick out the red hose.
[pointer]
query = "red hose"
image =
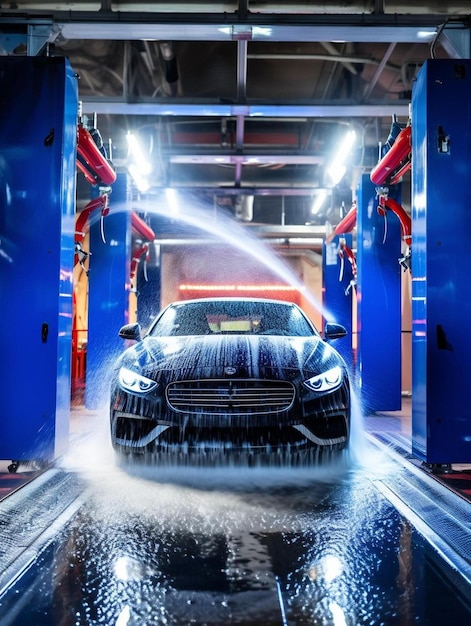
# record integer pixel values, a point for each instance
(141, 228)
(404, 219)
(351, 257)
(137, 257)
(101, 202)
(347, 224)
(91, 162)
(399, 151)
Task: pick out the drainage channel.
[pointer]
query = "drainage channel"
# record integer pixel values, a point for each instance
(330, 546)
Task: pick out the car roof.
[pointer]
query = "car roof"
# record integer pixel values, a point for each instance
(234, 299)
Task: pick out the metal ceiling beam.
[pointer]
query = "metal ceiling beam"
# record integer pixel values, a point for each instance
(298, 234)
(456, 41)
(247, 159)
(247, 190)
(371, 84)
(361, 27)
(117, 106)
(33, 36)
(223, 32)
(241, 70)
(38, 36)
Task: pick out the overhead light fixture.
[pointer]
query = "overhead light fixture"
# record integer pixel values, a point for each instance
(139, 166)
(262, 31)
(137, 154)
(337, 168)
(319, 201)
(426, 34)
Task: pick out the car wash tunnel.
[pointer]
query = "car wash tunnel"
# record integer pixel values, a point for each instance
(235, 339)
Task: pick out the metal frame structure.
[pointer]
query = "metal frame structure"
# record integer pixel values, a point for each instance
(247, 23)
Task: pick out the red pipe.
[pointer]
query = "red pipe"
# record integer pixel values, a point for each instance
(347, 224)
(141, 228)
(101, 202)
(404, 219)
(91, 162)
(137, 257)
(351, 257)
(399, 151)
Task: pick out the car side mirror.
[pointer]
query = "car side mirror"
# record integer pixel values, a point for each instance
(130, 331)
(334, 331)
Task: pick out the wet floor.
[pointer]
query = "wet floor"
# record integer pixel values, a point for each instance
(233, 545)
(317, 546)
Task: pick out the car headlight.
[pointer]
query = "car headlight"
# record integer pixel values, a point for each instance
(327, 381)
(134, 382)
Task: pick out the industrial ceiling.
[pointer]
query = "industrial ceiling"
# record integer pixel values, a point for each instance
(244, 99)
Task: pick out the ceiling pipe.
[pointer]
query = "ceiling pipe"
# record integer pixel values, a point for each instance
(338, 57)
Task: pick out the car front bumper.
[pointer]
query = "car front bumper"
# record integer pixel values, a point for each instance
(148, 424)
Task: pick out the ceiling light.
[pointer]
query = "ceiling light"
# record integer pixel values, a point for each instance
(426, 34)
(318, 201)
(337, 168)
(137, 155)
(138, 165)
(262, 31)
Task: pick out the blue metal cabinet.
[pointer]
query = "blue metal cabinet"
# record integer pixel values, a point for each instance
(379, 302)
(337, 290)
(38, 125)
(109, 287)
(441, 285)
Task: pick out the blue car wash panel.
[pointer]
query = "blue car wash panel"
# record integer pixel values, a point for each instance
(441, 285)
(379, 301)
(109, 289)
(38, 129)
(337, 291)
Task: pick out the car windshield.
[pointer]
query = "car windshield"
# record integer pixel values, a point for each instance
(237, 317)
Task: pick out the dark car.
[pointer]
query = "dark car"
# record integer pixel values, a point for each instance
(230, 377)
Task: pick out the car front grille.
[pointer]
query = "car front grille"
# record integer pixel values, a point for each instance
(235, 397)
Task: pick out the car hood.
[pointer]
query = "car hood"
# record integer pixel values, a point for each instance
(234, 356)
